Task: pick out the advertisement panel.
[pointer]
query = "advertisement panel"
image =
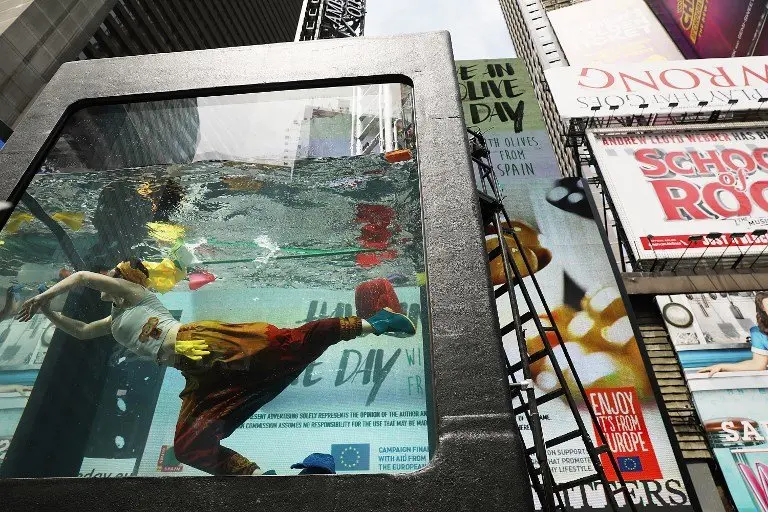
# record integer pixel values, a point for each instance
(716, 28)
(499, 101)
(342, 18)
(687, 183)
(611, 31)
(376, 421)
(330, 19)
(721, 343)
(23, 348)
(659, 87)
(566, 250)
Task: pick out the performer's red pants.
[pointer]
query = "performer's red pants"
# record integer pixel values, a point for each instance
(249, 365)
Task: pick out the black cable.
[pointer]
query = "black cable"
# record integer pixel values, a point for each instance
(64, 241)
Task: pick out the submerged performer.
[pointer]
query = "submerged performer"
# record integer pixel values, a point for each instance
(231, 370)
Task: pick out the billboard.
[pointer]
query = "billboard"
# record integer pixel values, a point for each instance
(709, 321)
(659, 87)
(499, 101)
(611, 31)
(330, 19)
(723, 350)
(715, 28)
(687, 183)
(376, 422)
(562, 240)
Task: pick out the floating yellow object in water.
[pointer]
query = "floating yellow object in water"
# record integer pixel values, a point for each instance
(164, 275)
(72, 219)
(16, 220)
(421, 278)
(165, 232)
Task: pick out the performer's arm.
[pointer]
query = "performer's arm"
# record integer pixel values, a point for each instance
(115, 287)
(758, 362)
(76, 328)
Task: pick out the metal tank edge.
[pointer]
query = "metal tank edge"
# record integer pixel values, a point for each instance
(478, 460)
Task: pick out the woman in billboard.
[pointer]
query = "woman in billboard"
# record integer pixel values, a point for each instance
(758, 335)
(231, 370)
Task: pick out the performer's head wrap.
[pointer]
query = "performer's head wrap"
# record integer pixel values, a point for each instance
(133, 271)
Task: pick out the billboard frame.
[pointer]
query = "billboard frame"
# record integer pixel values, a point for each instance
(652, 89)
(666, 419)
(656, 263)
(713, 463)
(472, 427)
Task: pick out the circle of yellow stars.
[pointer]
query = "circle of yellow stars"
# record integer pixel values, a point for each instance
(343, 460)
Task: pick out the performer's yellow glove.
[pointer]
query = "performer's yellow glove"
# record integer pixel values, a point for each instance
(192, 349)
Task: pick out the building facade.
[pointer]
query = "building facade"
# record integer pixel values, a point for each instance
(709, 283)
(37, 36)
(540, 51)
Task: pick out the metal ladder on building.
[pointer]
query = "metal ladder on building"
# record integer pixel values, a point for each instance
(549, 492)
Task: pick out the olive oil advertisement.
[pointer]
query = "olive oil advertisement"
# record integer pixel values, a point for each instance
(560, 239)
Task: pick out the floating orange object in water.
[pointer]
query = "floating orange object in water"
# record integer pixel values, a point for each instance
(399, 155)
(367, 260)
(372, 296)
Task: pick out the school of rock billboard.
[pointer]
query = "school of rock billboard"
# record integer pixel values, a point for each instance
(499, 101)
(659, 87)
(561, 240)
(687, 183)
(611, 31)
(720, 331)
(715, 28)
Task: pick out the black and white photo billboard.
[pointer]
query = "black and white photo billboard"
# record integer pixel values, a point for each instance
(330, 19)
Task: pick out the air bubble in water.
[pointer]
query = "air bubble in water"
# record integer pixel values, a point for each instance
(264, 242)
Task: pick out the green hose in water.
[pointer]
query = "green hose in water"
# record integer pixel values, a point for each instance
(293, 253)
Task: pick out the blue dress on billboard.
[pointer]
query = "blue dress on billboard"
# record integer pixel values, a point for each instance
(759, 341)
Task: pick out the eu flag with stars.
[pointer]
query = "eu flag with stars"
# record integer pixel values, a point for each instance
(351, 457)
(629, 464)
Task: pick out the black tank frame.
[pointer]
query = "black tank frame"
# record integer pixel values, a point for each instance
(477, 459)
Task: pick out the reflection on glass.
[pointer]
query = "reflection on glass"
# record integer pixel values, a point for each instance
(258, 255)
